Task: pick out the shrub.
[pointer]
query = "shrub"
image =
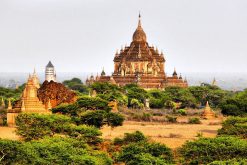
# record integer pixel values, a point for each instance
(93, 103)
(171, 119)
(131, 153)
(234, 126)
(114, 119)
(194, 120)
(48, 151)
(206, 150)
(130, 138)
(37, 126)
(182, 112)
(230, 162)
(99, 118)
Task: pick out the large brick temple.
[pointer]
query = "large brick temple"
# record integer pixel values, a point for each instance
(140, 63)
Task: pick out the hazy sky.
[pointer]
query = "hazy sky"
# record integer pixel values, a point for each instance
(83, 35)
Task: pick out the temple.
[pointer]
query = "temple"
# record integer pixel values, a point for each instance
(140, 63)
(29, 102)
(208, 113)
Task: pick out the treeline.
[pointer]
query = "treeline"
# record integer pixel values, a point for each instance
(133, 96)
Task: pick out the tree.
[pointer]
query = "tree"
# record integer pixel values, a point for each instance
(206, 150)
(49, 151)
(77, 85)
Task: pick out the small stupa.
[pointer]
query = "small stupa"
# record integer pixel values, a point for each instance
(208, 113)
(28, 103)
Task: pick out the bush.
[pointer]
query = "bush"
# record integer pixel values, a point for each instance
(171, 119)
(93, 103)
(234, 126)
(206, 150)
(130, 138)
(182, 112)
(99, 118)
(37, 126)
(194, 120)
(50, 151)
(230, 162)
(133, 153)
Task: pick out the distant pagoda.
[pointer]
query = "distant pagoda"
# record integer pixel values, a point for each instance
(50, 74)
(208, 113)
(140, 63)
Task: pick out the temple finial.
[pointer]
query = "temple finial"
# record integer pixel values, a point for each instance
(139, 21)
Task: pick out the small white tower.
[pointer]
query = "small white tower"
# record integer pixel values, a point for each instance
(50, 74)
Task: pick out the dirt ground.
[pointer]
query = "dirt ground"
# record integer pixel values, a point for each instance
(173, 135)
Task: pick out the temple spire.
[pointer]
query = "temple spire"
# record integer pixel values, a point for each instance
(9, 105)
(3, 103)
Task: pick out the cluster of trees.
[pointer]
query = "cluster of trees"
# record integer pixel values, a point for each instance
(134, 96)
(229, 147)
(92, 111)
(235, 105)
(49, 151)
(135, 148)
(77, 85)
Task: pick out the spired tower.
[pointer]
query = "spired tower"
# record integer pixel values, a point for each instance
(50, 74)
(29, 102)
(142, 64)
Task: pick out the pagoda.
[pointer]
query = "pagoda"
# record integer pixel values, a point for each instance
(208, 113)
(29, 102)
(142, 64)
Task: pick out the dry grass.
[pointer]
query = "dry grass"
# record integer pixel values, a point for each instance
(8, 133)
(173, 135)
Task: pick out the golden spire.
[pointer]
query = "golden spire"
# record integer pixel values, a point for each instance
(214, 83)
(9, 105)
(3, 103)
(139, 35)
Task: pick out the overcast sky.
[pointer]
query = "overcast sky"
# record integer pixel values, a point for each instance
(83, 35)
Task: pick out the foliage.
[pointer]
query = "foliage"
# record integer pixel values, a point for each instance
(158, 98)
(93, 103)
(236, 105)
(110, 92)
(181, 95)
(130, 138)
(56, 150)
(213, 94)
(37, 126)
(171, 119)
(77, 85)
(236, 126)
(230, 162)
(182, 112)
(7, 93)
(133, 153)
(99, 118)
(194, 120)
(68, 109)
(206, 150)
(133, 91)
(170, 105)
(136, 104)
